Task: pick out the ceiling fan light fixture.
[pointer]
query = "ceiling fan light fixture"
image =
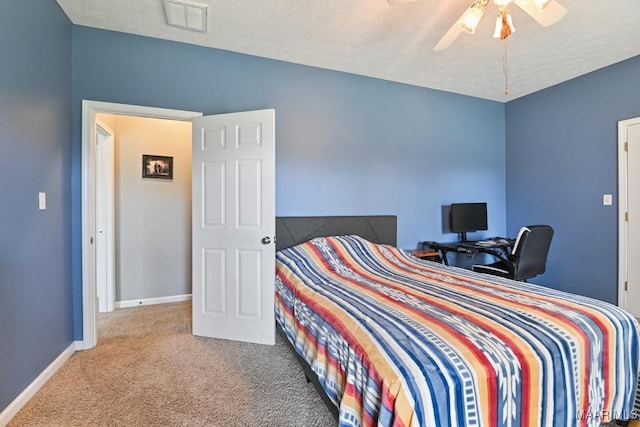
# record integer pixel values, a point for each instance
(504, 24)
(471, 18)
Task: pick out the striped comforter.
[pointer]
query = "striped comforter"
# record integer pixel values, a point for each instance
(397, 341)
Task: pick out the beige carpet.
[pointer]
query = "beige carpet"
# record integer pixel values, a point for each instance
(148, 370)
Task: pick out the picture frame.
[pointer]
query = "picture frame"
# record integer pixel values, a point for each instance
(160, 167)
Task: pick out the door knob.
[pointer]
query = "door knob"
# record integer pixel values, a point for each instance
(266, 240)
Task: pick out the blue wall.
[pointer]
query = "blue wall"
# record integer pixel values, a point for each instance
(35, 256)
(345, 144)
(561, 158)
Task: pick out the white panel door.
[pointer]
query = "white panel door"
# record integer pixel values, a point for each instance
(633, 223)
(105, 221)
(234, 226)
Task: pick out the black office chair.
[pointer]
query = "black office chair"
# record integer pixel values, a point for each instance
(528, 257)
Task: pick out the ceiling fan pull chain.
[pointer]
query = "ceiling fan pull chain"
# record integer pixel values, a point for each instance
(505, 68)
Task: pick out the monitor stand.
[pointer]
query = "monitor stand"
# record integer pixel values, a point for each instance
(462, 236)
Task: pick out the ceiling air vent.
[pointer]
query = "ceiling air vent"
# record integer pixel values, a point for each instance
(182, 14)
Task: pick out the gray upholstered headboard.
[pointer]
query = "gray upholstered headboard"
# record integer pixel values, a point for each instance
(292, 230)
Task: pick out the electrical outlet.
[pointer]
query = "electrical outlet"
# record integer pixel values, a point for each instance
(607, 200)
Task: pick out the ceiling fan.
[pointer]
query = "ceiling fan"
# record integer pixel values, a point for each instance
(546, 12)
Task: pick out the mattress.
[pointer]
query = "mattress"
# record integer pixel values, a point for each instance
(398, 341)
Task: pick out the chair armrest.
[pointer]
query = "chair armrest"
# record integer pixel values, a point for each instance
(498, 254)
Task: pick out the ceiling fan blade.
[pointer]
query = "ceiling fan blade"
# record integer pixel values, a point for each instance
(449, 37)
(550, 15)
(467, 22)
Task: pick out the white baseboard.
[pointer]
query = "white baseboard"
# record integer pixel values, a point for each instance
(10, 411)
(151, 301)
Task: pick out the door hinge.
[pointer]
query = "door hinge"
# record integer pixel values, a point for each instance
(626, 146)
(626, 286)
(626, 216)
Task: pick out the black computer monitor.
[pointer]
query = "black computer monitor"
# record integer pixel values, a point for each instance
(468, 217)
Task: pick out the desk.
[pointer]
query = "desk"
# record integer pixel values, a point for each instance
(429, 254)
(471, 249)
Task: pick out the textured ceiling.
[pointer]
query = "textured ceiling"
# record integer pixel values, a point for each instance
(372, 38)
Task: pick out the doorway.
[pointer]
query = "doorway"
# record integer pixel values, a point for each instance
(89, 111)
(150, 214)
(629, 215)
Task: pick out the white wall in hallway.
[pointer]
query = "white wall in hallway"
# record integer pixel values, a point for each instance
(153, 216)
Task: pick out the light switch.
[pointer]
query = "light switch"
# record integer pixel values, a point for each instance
(42, 201)
(607, 199)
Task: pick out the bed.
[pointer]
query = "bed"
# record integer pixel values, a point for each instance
(392, 340)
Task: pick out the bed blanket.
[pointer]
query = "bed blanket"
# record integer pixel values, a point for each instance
(398, 341)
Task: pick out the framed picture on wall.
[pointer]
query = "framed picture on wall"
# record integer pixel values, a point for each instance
(157, 166)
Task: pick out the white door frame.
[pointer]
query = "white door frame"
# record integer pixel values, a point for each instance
(623, 188)
(88, 182)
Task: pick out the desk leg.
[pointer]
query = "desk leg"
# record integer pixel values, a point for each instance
(443, 257)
